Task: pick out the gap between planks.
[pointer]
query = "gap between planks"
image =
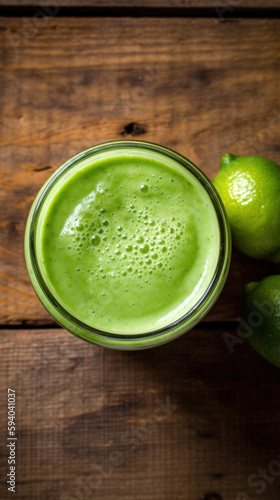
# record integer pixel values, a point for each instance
(203, 325)
(168, 12)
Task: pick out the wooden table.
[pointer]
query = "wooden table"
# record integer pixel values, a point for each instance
(188, 420)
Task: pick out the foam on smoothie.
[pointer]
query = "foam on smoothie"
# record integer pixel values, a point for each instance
(129, 243)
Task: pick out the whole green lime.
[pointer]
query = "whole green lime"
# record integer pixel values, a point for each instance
(260, 314)
(250, 189)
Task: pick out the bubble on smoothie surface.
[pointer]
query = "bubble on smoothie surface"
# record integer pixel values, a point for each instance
(144, 188)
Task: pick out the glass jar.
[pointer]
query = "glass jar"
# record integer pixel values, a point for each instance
(72, 323)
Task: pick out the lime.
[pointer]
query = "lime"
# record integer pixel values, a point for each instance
(261, 314)
(250, 189)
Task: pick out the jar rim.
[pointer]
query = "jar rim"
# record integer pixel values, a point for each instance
(127, 340)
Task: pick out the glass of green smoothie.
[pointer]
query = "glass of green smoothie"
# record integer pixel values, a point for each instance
(127, 245)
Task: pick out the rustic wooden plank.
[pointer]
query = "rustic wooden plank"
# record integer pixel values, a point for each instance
(229, 6)
(178, 421)
(196, 85)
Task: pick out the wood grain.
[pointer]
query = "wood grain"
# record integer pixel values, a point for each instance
(229, 5)
(196, 85)
(176, 422)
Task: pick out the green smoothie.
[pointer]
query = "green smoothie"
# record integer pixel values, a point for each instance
(129, 243)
